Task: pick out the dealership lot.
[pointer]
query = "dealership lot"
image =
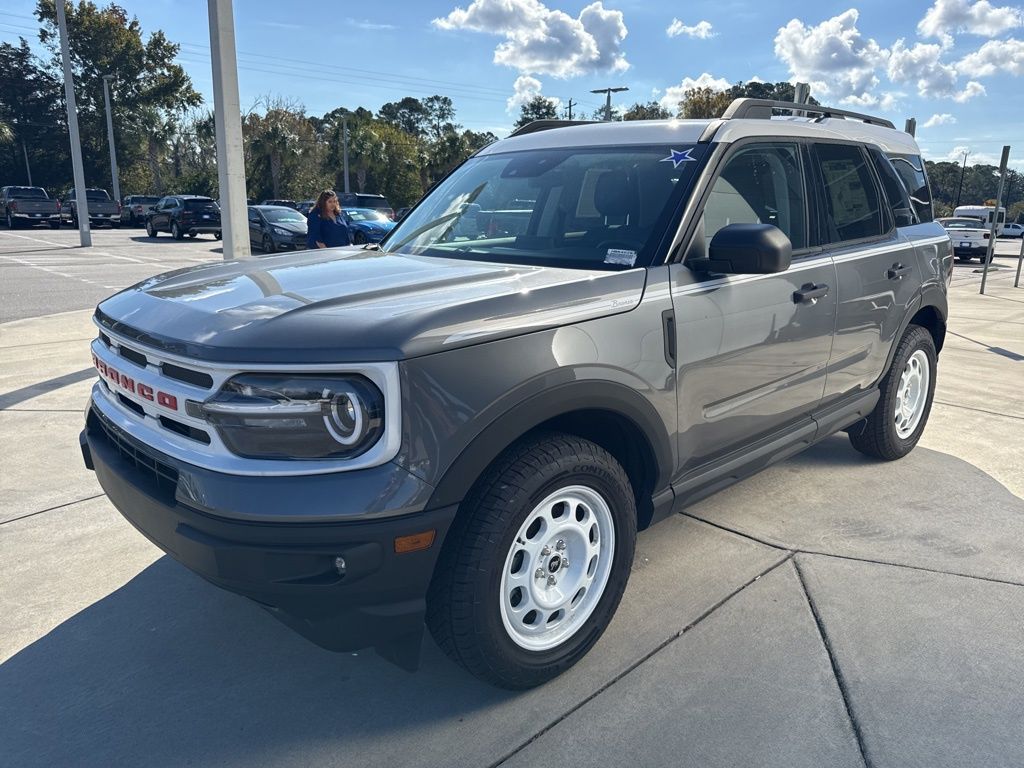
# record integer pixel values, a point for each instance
(829, 611)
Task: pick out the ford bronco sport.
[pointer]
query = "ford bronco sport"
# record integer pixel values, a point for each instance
(577, 333)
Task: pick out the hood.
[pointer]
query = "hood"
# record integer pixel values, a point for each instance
(377, 226)
(298, 227)
(355, 305)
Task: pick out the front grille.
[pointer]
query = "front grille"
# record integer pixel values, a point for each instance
(163, 475)
(130, 354)
(185, 430)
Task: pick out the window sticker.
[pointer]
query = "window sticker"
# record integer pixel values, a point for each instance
(677, 158)
(620, 256)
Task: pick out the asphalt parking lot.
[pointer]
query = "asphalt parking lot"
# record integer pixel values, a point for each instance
(830, 611)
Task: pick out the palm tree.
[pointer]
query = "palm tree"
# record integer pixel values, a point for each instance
(6, 134)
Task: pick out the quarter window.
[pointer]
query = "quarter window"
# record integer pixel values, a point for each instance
(760, 184)
(852, 198)
(911, 171)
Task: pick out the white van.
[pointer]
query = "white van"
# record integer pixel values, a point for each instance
(983, 212)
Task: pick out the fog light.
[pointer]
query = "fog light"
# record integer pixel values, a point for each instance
(339, 565)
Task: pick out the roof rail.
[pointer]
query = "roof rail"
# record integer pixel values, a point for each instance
(763, 108)
(547, 125)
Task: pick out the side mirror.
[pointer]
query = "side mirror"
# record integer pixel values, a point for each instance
(747, 249)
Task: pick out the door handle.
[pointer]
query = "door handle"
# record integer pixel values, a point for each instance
(897, 271)
(810, 293)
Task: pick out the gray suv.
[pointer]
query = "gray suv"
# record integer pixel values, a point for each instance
(580, 331)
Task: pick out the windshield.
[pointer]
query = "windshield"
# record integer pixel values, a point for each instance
(27, 193)
(601, 208)
(371, 201)
(147, 200)
(365, 214)
(97, 194)
(283, 215)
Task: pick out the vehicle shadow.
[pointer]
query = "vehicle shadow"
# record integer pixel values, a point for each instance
(168, 670)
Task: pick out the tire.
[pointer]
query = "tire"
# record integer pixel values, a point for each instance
(471, 608)
(216, 235)
(151, 231)
(192, 234)
(176, 232)
(11, 224)
(878, 435)
(358, 238)
(267, 245)
(54, 225)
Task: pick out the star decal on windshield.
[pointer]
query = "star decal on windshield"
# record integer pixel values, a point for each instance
(677, 158)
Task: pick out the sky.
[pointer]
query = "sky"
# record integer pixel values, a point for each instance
(955, 65)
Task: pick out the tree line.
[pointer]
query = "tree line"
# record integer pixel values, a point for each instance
(166, 142)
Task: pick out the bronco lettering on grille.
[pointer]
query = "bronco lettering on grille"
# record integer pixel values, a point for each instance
(128, 384)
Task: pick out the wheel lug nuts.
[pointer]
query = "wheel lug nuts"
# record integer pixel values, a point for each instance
(565, 563)
(552, 581)
(560, 546)
(539, 573)
(546, 551)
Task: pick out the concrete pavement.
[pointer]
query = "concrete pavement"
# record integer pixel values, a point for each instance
(829, 611)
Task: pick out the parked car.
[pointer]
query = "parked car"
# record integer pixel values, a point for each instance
(465, 430)
(274, 228)
(401, 212)
(28, 206)
(184, 215)
(305, 207)
(969, 236)
(284, 203)
(367, 225)
(135, 209)
(1012, 230)
(102, 210)
(359, 200)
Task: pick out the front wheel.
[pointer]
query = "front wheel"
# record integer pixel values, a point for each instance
(536, 563)
(267, 246)
(216, 235)
(894, 427)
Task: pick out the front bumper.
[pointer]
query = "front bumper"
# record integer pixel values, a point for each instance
(288, 568)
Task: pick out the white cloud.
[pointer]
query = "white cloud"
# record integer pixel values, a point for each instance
(541, 40)
(887, 102)
(994, 57)
(922, 65)
(701, 30)
(366, 24)
(947, 17)
(832, 56)
(525, 89)
(944, 119)
(674, 94)
(973, 88)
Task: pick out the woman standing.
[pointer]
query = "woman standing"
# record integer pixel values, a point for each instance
(326, 227)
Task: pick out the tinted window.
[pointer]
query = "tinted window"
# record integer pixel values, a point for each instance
(895, 193)
(911, 171)
(852, 205)
(26, 193)
(97, 194)
(760, 184)
(370, 201)
(204, 204)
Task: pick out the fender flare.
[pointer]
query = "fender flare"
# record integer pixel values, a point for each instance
(930, 296)
(563, 399)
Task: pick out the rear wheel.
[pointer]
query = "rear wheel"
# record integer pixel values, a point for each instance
(537, 562)
(10, 221)
(176, 232)
(894, 427)
(150, 229)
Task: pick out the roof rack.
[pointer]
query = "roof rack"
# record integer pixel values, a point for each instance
(547, 125)
(763, 108)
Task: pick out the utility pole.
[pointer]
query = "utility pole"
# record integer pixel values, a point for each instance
(608, 102)
(110, 138)
(960, 186)
(28, 168)
(81, 203)
(228, 121)
(344, 150)
(570, 106)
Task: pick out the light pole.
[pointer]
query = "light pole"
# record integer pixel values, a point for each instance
(344, 143)
(228, 122)
(81, 203)
(110, 138)
(608, 102)
(960, 186)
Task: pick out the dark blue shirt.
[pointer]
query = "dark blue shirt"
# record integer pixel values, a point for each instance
(330, 232)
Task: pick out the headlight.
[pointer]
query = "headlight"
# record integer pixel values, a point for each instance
(270, 416)
(284, 232)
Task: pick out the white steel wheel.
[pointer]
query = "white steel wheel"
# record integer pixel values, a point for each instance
(912, 394)
(557, 568)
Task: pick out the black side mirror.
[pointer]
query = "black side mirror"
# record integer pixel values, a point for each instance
(747, 249)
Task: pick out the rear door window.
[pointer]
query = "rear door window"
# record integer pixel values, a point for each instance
(902, 209)
(853, 202)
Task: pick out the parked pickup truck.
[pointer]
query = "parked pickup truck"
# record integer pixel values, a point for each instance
(28, 205)
(102, 210)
